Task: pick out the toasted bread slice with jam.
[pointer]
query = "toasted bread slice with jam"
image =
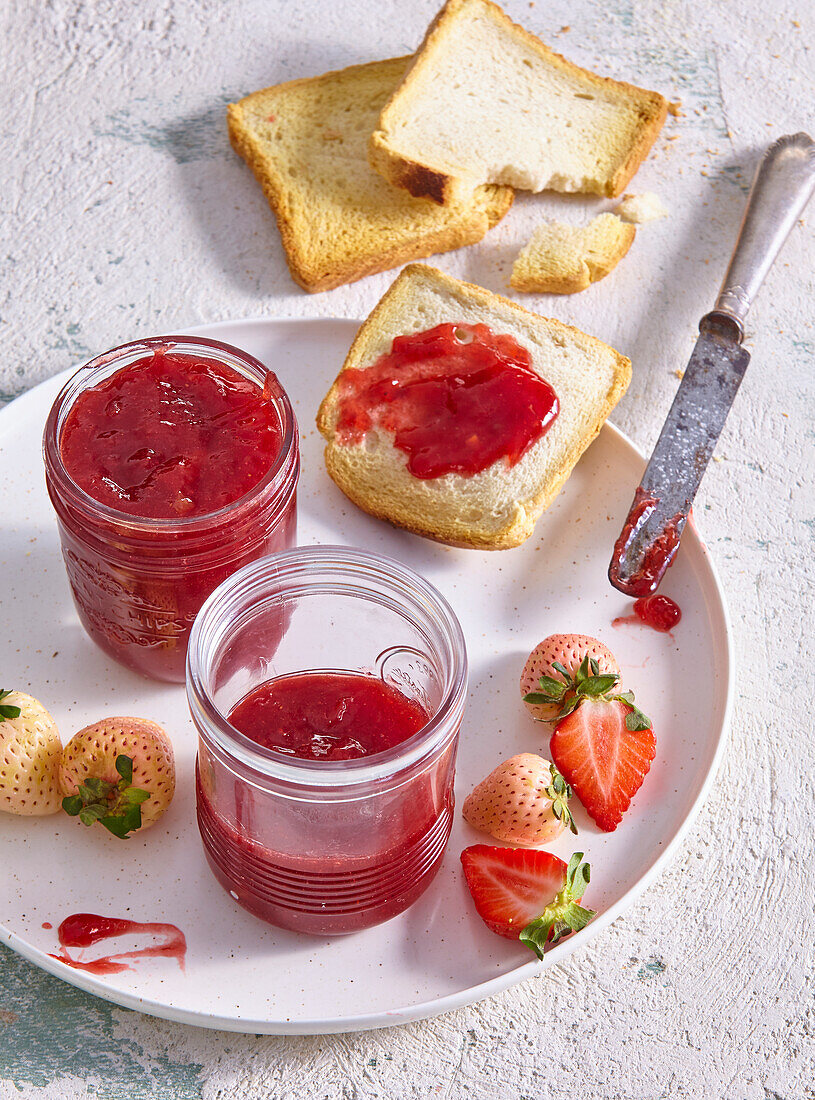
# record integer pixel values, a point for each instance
(498, 507)
(306, 142)
(485, 101)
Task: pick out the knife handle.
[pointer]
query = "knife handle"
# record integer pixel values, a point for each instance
(782, 187)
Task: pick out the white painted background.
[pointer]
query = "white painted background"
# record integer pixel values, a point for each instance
(126, 214)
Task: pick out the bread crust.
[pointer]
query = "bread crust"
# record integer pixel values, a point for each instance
(450, 528)
(424, 180)
(342, 264)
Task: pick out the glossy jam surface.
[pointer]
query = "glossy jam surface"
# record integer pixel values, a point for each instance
(83, 930)
(170, 436)
(457, 398)
(327, 715)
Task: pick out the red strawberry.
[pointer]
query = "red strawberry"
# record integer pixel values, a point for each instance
(525, 800)
(119, 772)
(527, 894)
(566, 651)
(603, 744)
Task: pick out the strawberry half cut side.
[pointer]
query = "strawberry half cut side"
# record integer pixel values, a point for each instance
(527, 894)
(602, 757)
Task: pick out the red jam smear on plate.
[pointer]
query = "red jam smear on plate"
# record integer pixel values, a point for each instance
(170, 436)
(82, 930)
(327, 715)
(457, 398)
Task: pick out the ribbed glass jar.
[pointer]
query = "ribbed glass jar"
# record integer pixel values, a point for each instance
(322, 846)
(139, 583)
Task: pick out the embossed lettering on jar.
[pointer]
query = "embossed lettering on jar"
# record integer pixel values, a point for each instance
(170, 462)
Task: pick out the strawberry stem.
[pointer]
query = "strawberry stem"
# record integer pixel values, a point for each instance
(560, 792)
(563, 914)
(587, 683)
(7, 711)
(117, 806)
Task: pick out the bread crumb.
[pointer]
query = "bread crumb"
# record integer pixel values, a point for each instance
(680, 374)
(646, 207)
(796, 24)
(566, 29)
(675, 108)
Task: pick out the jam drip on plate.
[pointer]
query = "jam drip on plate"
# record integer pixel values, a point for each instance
(82, 930)
(327, 715)
(457, 398)
(659, 612)
(171, 436)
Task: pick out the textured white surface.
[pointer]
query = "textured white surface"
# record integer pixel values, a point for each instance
(125, 213)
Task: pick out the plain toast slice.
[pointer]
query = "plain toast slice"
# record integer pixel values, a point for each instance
(306, 142)
(485, 101)
(497, 508)
(564, 259)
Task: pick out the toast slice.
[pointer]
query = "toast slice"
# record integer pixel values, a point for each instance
(306, 142)
(485, 101)
(497, 508)
(564, 259)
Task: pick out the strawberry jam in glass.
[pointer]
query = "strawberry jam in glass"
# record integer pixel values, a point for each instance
(327, 686)
(170, 462)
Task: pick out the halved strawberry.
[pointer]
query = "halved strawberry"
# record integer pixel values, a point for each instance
(526, 894)
(604, 748)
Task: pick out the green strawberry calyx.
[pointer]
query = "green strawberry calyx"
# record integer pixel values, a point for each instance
(587, 683)
(563, 914)
(117, 805)
(560, 792)
(7, 711)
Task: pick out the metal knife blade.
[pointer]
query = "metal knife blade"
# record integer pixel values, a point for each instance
(649, 540)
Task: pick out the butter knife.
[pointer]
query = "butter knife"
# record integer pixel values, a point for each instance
(649, 540)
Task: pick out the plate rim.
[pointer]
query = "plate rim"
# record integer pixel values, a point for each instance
(429, 1008)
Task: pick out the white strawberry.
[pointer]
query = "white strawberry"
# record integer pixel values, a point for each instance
(30, 751)
(566, 650)
(524, 801)
(119, 772)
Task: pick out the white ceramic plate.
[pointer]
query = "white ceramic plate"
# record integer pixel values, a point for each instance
(240, 973)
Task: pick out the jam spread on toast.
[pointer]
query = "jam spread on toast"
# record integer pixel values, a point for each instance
(456, 398)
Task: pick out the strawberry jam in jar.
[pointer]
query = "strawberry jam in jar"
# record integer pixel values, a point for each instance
(327, 686)
(170, 462)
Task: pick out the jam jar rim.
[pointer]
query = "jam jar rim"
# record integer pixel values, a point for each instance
(284, 468)
(348, 563)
